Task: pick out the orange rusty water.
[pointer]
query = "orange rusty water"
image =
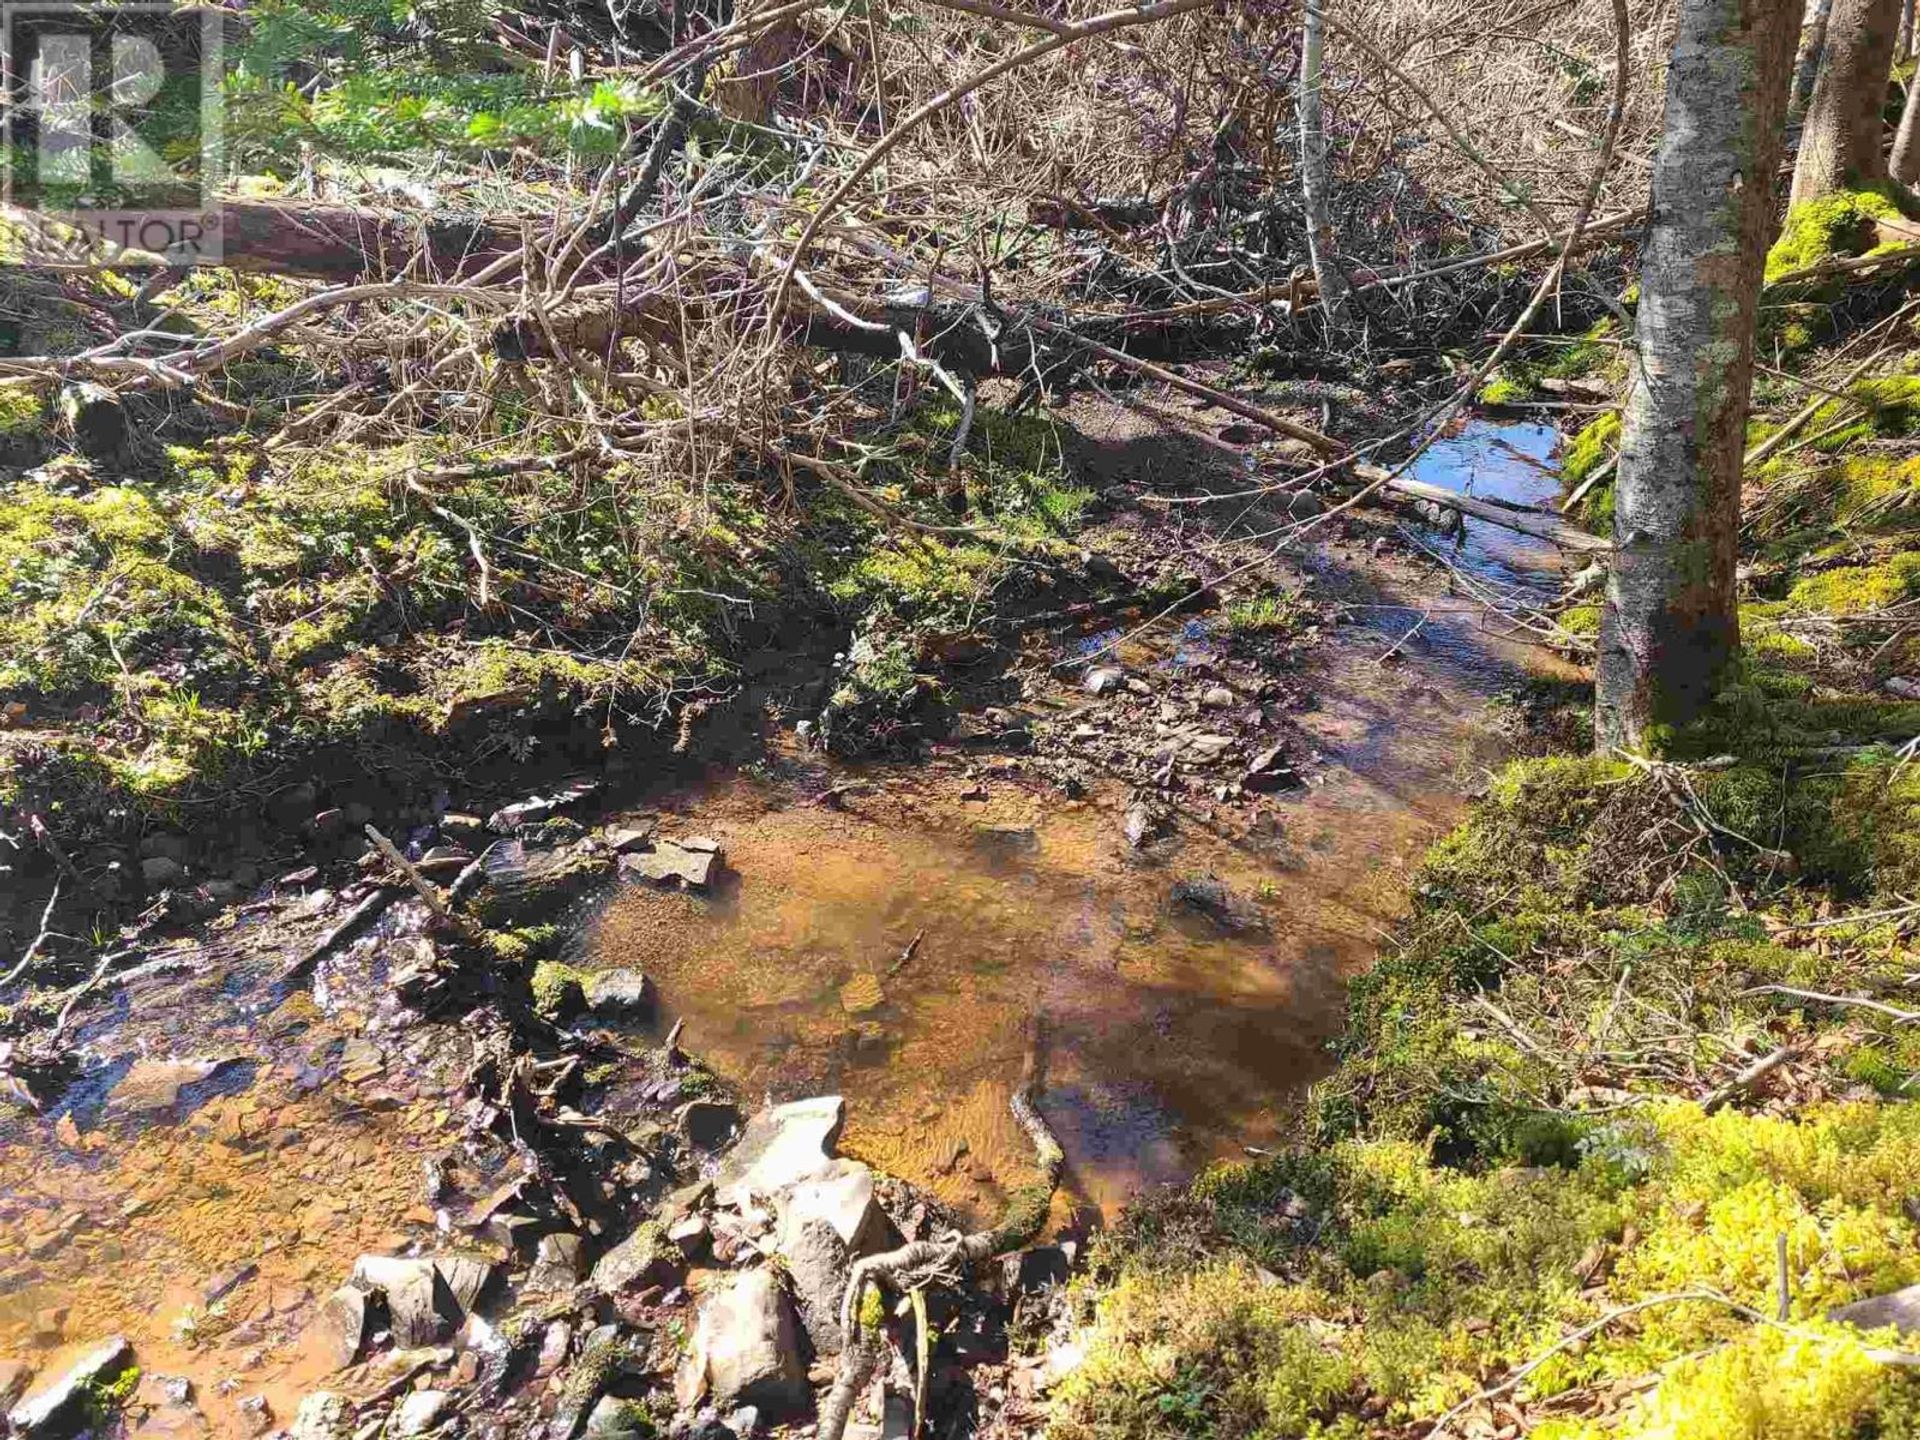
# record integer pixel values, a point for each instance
(1166, 1042)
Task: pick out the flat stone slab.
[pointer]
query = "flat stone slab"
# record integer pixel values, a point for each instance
(782, 1145)
(668, 862)
(1899, 1308)
(48, 1409)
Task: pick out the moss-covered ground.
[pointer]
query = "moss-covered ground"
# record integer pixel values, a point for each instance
(1536, 1195)
(212, 610)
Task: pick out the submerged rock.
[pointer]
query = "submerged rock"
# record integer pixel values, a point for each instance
(521, 885)
(59, 1406)
(746, 1350)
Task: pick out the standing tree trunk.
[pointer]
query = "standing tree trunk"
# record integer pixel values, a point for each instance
(1904, 161)
(1314, 183)
(1670, 627)
(1904, 50)
(1841, 146)
(1813, 44)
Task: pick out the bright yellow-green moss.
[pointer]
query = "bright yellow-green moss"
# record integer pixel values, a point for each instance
(1504, 388)
(1856, 589)
(559, 991)
(1593, 445)
(1813, 1382)
(1581, 620)
(1838, 224)
(23, 410)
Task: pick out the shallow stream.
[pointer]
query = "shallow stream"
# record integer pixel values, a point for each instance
(902, 945)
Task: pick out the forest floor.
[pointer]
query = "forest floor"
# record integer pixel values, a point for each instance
(1620, 1114)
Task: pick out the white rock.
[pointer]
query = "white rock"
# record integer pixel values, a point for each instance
(421, 1411)
(782, 1146)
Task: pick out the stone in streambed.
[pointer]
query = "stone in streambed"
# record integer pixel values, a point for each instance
(340, 1328)
(746, 1350)
(323, 1415)
(782, 1145)
(620, 995)
(420, 1412)
(645, 1257)
(59, 1406)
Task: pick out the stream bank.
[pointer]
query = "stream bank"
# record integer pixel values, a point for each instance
(1112, 855)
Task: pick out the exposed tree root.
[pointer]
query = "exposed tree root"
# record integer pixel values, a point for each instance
(862, 1311)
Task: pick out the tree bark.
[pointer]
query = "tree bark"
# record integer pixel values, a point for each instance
(1904, 50)
(1806, 65)
(1314, 187)
(343, 243)
(1841, 144)
(1670, 626)
(1903, 162)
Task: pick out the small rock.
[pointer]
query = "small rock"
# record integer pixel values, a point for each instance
(322, 1415)
(152, 1086)
(459, 826)
(1899, 1308)
(420, 1411)
(1141, 824)
(624, 838)
(421, 1309)
(1217, 697)
(228, 1281)
(620, 995)
(707, 1123)
(554, 1345)
(615, 1419)
(818, 1265)
(746, 1350)
(509, 818)
(667, 862)
(1103, 678)
(340, 1327)
(256, 1416)
(162, 870)
(690, 1234)
(1209, 747)
(1904, 687)
(643, 1258)
(841, 1194)
(558, 1263)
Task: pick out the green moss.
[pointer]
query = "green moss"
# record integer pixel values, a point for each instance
(1270, 612)
(1506, 386)
(559, 991)
(1857, 589)
(1837, 224)
(1590, 448)
(23, 411)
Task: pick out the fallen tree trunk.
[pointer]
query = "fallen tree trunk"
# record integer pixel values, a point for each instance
(346, 242)
(962, 338)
